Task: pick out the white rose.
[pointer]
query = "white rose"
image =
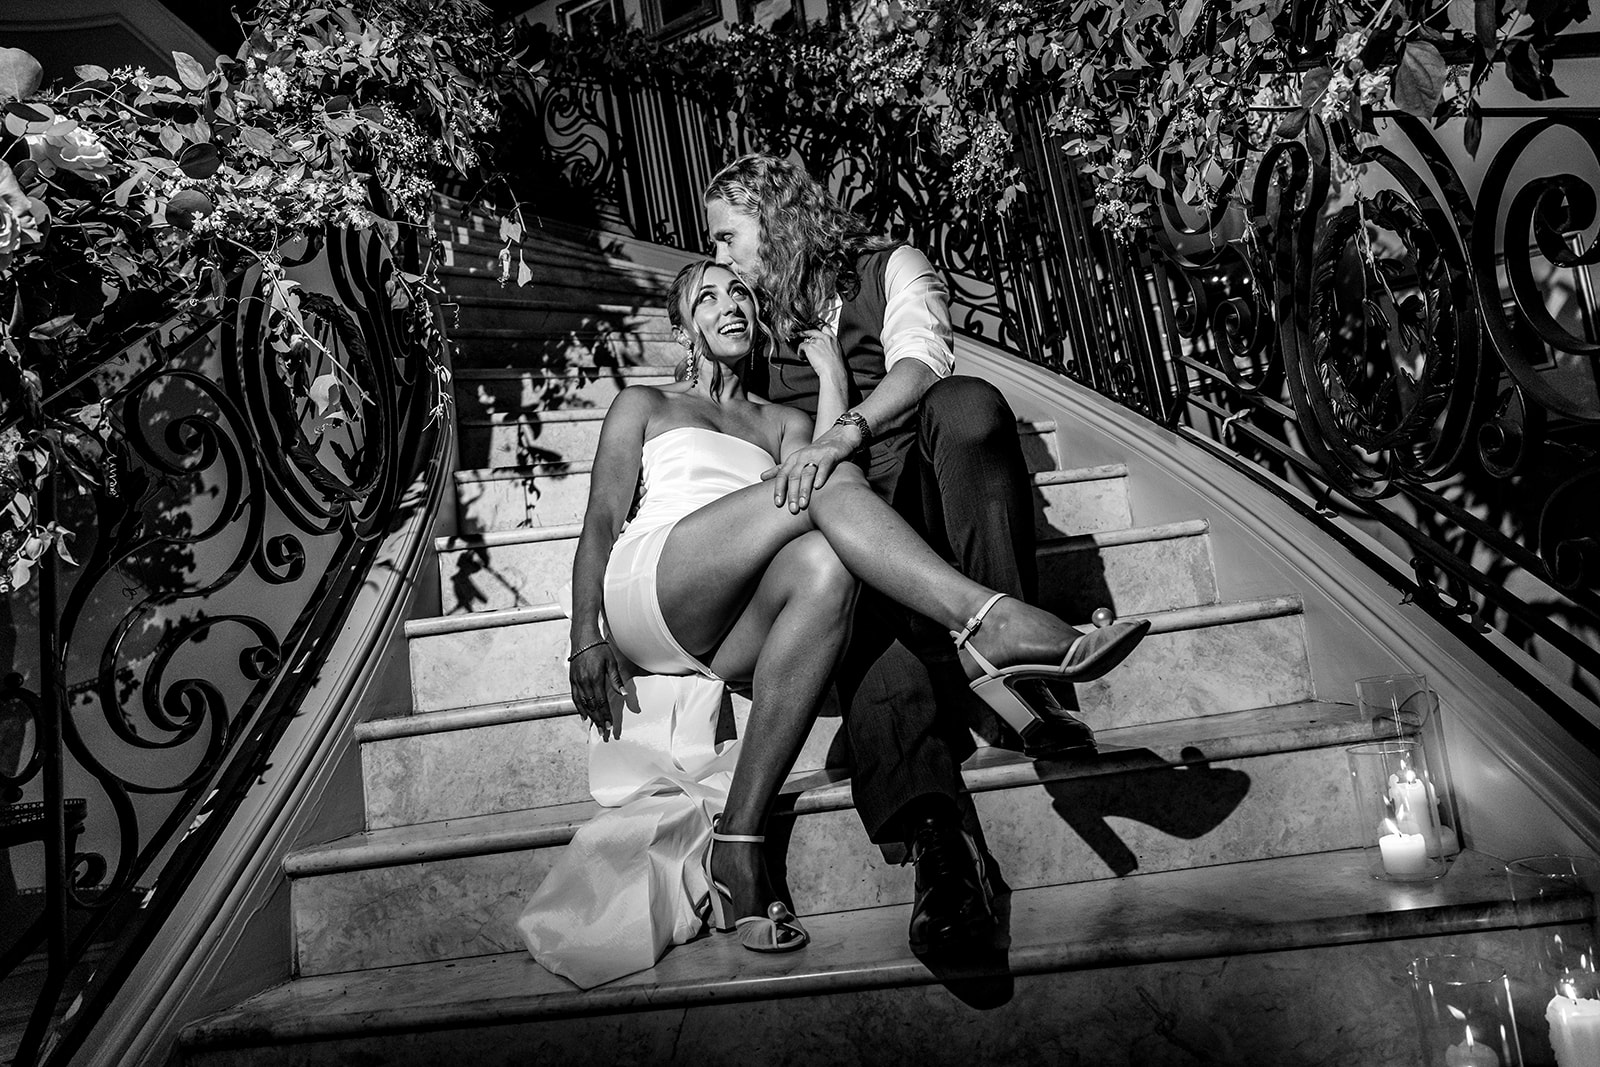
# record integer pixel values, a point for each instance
(66, 144)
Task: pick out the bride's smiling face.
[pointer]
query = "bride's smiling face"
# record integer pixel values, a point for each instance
(724, 313)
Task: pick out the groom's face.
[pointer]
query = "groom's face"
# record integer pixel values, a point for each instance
(735, 239)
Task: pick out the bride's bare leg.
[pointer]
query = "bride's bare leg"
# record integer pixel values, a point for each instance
(713, 558)
(787, 641)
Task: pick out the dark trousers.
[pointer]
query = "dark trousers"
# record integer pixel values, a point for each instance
(963, 485)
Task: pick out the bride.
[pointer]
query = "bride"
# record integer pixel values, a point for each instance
(724, 574)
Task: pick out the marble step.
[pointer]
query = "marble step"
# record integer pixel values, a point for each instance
(575, 282)
(1066, 503)
(545, 255)
(465, 228)
(1207, 791)
(513, 310)
(574, 433)
(1295, 960)
(490, 392)
(497, 758)
(1197, 661)
(508, 349)
(1148, 568)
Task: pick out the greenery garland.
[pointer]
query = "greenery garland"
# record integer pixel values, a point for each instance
(1141, 92)
(125, 198)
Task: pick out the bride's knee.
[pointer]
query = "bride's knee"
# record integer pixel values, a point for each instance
(821, 575)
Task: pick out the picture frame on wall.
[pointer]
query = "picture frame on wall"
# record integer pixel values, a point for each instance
(674, 18)
(590, 18)
(772, 14)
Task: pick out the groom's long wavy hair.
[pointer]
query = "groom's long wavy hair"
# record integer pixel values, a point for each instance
(809, 241)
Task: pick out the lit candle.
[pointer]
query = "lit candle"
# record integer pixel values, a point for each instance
(1403, 853)
(1574, 1030)
(1470, 1054)
(1414, 811)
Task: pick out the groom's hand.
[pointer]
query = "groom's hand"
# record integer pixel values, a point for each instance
(807, 469)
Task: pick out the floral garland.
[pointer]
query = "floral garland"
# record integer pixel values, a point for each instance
(126, 196)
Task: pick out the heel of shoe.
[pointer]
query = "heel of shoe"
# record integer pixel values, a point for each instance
(1006, 702)
(1026, 704)
(720, 899)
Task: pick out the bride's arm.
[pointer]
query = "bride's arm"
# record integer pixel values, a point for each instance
(821, 349)
(614, 477)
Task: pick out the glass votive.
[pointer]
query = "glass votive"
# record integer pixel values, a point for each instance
(1464, 1014)
(1403, 700)
(1396, 810)
(1540, 885)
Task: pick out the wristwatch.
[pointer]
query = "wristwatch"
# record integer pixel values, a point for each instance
(859, 421)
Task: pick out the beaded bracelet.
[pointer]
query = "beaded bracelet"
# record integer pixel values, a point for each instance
(585, 648)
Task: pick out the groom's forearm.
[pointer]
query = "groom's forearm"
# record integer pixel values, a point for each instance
(897, 395)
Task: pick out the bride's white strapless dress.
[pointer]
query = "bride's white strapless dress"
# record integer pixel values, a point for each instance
(631, 882)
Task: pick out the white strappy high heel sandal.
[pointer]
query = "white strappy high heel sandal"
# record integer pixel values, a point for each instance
(776, 931)
(1019, 705)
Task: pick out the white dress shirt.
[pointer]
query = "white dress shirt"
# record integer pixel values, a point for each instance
(916, 314)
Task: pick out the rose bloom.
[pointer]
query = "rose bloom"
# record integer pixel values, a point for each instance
(66, 144)
(14, 213)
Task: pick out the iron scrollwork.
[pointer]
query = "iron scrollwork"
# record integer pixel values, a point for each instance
(242, 517)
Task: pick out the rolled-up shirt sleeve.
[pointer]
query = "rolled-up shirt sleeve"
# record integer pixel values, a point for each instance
(916, 316)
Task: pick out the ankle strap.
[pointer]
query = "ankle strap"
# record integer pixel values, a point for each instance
(738, 839)
(966, 632)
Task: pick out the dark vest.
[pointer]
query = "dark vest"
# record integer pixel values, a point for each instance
(789, 379)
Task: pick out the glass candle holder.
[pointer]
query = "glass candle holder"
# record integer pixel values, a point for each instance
(1404, 700)
(1396, 810)
(1403, 705)
(1464, 1014)
(1540, 885)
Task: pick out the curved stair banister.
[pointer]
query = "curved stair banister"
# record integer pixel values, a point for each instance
(250, 553)
(1225, 328)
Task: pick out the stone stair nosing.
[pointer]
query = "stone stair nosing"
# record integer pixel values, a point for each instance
(1066, 502)
(1199, 793)
(1237, 654)
(1136, 959)
(1147, 568)
(512, 439)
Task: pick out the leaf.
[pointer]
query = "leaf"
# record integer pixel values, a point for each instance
(1419, 79)
(1472, 132)
(89, 72)
(324, 393)
(1314, 84)
(1294, 123)
(1188, 15)
(1486, 28)
(190, 71)
(524, 275)
(510, 230)
(1529, 72)
(172, 141)
(200, 160)
(258, 140)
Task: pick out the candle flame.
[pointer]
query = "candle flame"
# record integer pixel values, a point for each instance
(1388, 826)
(1470, 1042)
(1460, 1016)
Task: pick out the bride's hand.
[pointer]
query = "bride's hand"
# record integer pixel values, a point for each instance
(595, 677)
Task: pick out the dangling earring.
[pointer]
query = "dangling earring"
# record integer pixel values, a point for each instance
(694, 369)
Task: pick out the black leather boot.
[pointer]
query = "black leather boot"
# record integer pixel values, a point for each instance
(953, 906)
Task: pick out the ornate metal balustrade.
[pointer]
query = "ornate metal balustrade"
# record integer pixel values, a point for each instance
(1433, 392)
(150, 682)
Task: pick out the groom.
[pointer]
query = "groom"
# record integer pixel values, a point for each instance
(944, 452)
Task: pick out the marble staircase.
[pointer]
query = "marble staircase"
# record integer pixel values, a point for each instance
(1195, 894)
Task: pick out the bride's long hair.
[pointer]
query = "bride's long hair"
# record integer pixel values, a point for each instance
(680, 315)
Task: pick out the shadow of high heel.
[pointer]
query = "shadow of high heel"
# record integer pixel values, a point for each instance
(1186, 801)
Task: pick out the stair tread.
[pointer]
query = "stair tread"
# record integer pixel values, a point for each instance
(571, 531)
(1102, 472)
(1316, 900)
(1170, 620)
(1231, 735)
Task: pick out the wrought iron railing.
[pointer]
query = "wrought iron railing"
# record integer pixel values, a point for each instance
(1451, 413)
(149, 683)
